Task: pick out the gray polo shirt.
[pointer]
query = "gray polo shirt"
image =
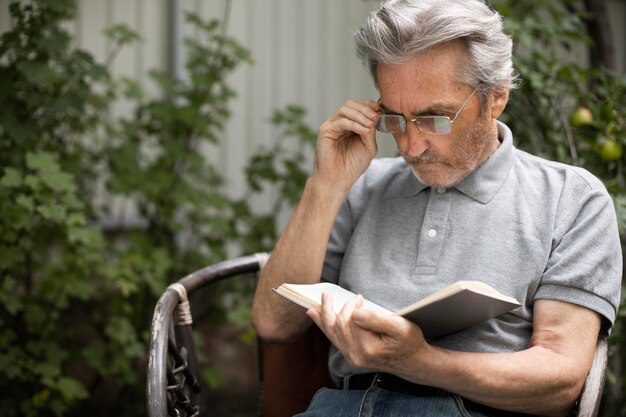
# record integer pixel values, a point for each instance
(530, 228)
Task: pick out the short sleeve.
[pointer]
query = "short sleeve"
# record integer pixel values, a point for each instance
(585, 264)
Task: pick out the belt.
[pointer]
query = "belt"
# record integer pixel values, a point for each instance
(391, 383)
(395, 384)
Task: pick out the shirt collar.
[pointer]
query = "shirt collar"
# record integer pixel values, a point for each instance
(482, 184)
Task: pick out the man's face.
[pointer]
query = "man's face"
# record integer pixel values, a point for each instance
(426, 86)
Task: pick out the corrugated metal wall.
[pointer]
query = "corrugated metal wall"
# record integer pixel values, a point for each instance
(304, 55)
(303, 52)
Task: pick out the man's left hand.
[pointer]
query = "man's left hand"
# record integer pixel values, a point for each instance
(367, 339)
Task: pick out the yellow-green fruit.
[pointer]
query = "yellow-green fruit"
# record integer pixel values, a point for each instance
(610, 150)
(580, 117)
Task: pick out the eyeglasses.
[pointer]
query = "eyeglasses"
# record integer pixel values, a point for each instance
(437, 125)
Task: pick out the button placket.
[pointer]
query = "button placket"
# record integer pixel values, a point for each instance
(433, 232)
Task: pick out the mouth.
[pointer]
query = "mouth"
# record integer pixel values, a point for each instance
(424, 157)
(424, 160)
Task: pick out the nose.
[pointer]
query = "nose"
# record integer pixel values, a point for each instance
(415, 141)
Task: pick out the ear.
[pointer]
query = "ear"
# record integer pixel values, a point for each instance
(499, 99)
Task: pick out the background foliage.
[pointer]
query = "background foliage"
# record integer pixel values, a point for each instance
(77, 292)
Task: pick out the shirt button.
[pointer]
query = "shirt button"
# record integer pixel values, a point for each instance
(432, 233)
(441, 190)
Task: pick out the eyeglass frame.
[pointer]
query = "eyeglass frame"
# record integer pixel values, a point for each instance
(416, 119)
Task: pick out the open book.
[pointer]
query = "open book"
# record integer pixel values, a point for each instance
(453, 308)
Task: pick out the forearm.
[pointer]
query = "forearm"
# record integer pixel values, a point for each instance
(534, 381)
(297, 258)
(543, 379)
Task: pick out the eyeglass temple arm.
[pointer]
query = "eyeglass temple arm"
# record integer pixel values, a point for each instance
(463, 106)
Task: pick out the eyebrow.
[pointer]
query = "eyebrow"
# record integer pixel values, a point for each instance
(435, 108)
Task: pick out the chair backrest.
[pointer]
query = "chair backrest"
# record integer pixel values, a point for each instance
(290, 373)
(173, 382)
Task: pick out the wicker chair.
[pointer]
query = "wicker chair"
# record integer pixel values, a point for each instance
(289, 373)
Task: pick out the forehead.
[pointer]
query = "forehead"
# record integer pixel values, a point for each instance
(431, 75)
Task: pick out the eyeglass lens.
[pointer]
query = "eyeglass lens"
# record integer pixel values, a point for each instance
(393, 123)
(439, 125)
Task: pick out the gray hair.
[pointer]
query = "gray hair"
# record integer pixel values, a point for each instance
(401, 29)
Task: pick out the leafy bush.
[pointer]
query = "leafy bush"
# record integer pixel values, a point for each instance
(52, 262)
(77, 293)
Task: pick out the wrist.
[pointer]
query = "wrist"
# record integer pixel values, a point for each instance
(326, 190)
(420, 367)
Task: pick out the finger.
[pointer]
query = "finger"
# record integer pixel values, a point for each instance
(323, 317)
(363, 113)
(342, 127)
(368, 107)
(315, 316)
(347, 332)
(327, 307)
(369, 140)
(359, 112)
(327, 313)
(372, 111)
(349, 308)
(373, 321)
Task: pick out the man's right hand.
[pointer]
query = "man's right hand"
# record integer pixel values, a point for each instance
(346, 144)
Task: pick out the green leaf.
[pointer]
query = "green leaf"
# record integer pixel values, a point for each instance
(95, 355)
(26, 202)
(11, 358)
(132, 89)
(121, 33)
(53, 213)
(9, 256)
(71, 389)
(48, 370)
(12, 178)
(21, 132)
(42, 161)
(41, 398)
(59, 181)
(33, 182)
(10, 302)
(213, 377)
(240, 316)
(35, 72)
(56, 40)
(76, 219)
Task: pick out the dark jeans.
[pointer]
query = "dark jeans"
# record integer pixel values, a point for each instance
(378, 402)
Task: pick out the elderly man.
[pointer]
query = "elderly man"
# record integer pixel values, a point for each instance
(460, 203)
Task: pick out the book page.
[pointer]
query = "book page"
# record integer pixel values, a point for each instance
(310, 296)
